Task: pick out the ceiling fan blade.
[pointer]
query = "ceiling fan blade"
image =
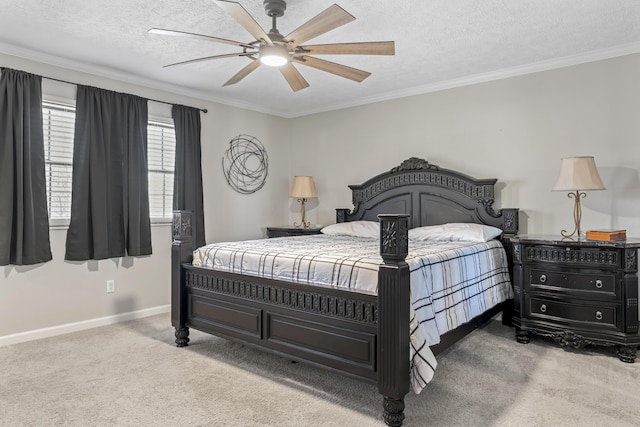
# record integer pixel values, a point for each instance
(332, 17)
(243, 73)
(333, 68)
(364, 48)
(243, 17)
(164, 32)
(208, 58)
(293, 76)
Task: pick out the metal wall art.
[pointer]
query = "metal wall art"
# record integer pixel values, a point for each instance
(245, 164)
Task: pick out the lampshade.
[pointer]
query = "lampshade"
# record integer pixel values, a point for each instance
(578, 173)
(274, 55)
(303, 187)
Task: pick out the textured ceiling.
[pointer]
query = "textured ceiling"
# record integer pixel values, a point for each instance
(439, 44)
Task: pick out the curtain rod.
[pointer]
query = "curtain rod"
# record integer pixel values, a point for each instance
(204, 110)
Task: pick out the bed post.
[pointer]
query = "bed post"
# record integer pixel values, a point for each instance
(341, 215)
(181, 252)
(393, 317)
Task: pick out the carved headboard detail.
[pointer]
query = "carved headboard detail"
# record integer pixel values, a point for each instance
(430, 195)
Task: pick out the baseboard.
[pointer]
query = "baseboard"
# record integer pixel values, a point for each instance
(81, 326)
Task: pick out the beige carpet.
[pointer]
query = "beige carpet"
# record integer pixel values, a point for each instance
(131, 374)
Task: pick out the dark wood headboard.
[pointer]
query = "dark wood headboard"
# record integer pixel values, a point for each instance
(430, 195)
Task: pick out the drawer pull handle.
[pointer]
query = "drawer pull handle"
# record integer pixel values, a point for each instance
(598, 315)
(543, 308)
(598, 283)
(543, 278)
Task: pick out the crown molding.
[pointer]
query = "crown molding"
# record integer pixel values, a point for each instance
(77, 66)
(536, 67)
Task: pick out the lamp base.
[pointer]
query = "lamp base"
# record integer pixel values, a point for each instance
(303, 224)
(577, 215)
(576, 232)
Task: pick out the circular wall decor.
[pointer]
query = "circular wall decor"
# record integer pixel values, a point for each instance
(245, 164)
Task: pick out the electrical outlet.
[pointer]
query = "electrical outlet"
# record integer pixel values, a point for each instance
(111, 286)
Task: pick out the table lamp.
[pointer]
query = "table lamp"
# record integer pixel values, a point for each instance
(303, 188)
(578, 174)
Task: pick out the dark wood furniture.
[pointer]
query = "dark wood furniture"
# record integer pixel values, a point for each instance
(360, 335)
(290, 231)
(577, 292)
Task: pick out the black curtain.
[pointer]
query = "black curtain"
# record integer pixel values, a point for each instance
(187, 183)
(24, 222)
(110, 196)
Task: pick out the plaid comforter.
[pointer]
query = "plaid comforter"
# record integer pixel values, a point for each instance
(451, 282)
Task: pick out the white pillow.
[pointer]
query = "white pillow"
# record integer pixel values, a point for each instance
(353, 228)
(455, 231)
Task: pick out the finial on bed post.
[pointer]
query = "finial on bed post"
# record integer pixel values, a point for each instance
(341, 215)
(181, 252)
(393, 316)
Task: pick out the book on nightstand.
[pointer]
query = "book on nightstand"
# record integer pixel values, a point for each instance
(609, 235)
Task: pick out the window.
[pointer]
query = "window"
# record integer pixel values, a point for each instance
(58, 127)
(161, 153)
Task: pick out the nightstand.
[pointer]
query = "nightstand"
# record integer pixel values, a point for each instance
(578, 292)
(290, 231)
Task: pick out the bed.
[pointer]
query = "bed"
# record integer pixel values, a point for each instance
(362, 334)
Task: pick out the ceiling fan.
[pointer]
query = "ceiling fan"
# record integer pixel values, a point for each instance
(274, 49)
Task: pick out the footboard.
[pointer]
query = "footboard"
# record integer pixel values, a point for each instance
(327, 327)
(361, 335)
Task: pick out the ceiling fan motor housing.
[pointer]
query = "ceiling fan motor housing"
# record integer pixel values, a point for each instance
(274, 7)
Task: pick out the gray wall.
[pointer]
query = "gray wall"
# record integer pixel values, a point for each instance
(61, 296)
(514, 129)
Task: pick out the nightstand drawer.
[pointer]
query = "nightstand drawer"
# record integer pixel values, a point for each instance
(579, 256)
(598, 283)
(577, 314)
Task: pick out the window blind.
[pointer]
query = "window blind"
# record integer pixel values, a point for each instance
(161, 153)
(58, 128)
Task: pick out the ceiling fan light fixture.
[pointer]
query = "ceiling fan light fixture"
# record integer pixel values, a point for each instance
(274, 55)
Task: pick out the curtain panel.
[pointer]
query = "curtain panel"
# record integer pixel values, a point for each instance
(110, 200)
(24, 221)
(187, 182)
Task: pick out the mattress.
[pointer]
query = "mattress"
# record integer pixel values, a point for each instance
(451, 282)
